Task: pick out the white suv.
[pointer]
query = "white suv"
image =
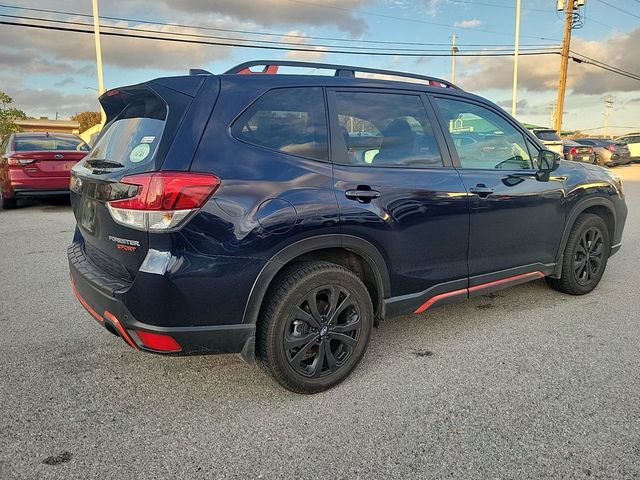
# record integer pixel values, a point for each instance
(633, 142)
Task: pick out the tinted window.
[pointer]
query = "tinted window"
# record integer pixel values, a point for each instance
(383, 129)
(482, 138)
(587, 142)
(132, 139)
(50, 142)
(290, 120)
(548, 135)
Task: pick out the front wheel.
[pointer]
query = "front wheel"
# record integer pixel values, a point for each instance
(315, 327)
(585, 256)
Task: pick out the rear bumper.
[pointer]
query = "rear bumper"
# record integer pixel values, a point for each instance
(24, 193)
(112, 313)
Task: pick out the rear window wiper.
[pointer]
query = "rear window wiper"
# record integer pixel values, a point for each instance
(102, 163)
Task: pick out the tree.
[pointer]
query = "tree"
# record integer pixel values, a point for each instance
(9, 115)
(86, 119)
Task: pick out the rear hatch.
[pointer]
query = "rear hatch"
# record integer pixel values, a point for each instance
(142, 123)
(622, 149)
(550, 140)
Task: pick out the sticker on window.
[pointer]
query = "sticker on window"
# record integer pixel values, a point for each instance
(148, 139)
(139, 153)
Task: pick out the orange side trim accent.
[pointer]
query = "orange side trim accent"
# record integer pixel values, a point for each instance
(475, 288)
(123, 332)
(83, 302)
(530, 275)
(437, 298)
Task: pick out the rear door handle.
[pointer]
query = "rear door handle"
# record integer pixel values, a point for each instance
(362, 195)
(481, 190)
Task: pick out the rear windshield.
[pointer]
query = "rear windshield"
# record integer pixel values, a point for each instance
(548, 136)
(51, 142)
(132, 138)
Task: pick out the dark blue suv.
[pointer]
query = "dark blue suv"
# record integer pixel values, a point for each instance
(283, 216)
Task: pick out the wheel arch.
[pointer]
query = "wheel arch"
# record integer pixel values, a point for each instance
(601, 206)
(354, 253)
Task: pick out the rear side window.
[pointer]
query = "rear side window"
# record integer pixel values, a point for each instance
(289, 120)
(133, 137)
(386, 129)
(50, 142)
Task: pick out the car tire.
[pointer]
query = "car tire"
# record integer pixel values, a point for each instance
(585, 256)
(315, 327)
(7, 203)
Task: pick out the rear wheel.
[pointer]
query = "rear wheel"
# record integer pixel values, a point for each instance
(315, 327)
(585, 256)
(7, 203)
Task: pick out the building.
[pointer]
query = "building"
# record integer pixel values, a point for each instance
(43, 124)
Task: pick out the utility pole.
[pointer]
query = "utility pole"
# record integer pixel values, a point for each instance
(454, 50)
(608, 105)
(96, 34)
(515, 61)
(564, 63)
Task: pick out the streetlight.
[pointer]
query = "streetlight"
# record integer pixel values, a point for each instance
(96, 34)
(515, 60)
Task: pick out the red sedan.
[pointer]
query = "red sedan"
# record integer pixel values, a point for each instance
(37, 164)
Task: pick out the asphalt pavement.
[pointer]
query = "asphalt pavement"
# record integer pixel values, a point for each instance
(524, 383)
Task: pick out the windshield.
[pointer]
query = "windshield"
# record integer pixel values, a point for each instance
(48, 143)
(547, 135)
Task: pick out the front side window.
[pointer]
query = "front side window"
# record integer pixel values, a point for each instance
(482, 138)
(386, 129)
(289, 120)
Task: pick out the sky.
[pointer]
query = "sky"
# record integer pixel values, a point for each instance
(48, 72)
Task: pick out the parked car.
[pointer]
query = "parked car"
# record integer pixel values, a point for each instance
(608, 152)
(632, 141)
(549, 138)
(238, 213)
(37, 165)
(578, 153)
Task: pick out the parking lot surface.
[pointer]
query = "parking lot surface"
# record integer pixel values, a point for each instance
(523, 383)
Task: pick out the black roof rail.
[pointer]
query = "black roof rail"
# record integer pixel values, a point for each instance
(271, 67)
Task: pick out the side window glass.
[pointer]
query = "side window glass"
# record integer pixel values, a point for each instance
(290, 120)
(483, 139)
(386, 129)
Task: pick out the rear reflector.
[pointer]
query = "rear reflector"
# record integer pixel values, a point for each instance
(163, 200)
(158, 341)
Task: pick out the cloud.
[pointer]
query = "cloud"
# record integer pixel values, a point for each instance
(46, 102)
(337, 13)
(314, 56)
(474, 22)
(540, 73)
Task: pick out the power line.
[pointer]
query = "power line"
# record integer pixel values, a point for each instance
(273, 47)
(413, 20)
(246, 32)
(618, 8)
(598, 63)
(191, 35)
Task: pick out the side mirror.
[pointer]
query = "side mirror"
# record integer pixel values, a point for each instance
(548, 161)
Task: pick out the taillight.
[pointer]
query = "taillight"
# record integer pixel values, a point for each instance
(573, 151)
(590, 149)
(19, 162)
(163, 200)
(612, 147)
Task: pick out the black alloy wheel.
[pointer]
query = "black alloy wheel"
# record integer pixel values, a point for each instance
(315, 326)
(322, 332)
(585, 256)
